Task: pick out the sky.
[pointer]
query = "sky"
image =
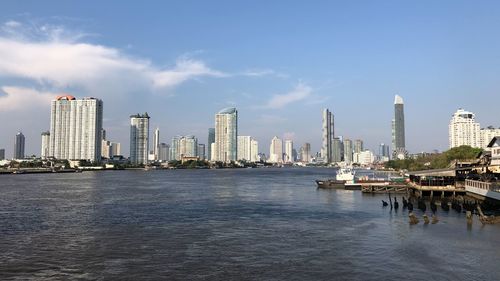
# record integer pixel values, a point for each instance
(278, 62)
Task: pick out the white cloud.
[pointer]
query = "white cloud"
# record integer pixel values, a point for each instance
(300, 92)
(50, 56)
(19, 98)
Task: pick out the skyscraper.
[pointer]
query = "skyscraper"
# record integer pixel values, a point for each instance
(398, 129)
(211, 140)
(337, 150)
(226, 132)
(175, 151)
(464, 130)
(487, 135)
(76, 128)
(348, 150)
(201, 151)
(328, 135)
(244, 148)
(276, 150)
(305, 155)
(156, 144)
(188, 146)
(358, 146)
(45, 145)
(383, 152)
(254, 150)
(2, 153)
(289, 151)
(19, 146)
(139, 138)
(164, 152)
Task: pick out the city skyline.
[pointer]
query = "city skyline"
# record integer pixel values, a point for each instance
(352, 63)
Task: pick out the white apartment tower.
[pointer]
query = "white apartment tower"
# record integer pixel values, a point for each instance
(75, 128)
(464, 130)
(254, 150)
(244, 148)
(139, 138)
(226, 132)
(276, 150)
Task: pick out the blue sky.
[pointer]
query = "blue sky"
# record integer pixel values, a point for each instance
(278, 62)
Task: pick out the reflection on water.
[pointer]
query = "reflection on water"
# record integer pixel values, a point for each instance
(226, 224)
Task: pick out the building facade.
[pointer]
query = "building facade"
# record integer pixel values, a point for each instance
(244, 148)
(164, 152)
(201, 151)
(211, 140)
(188, 147)
(226, 132)
(305, 153)
(348, 150)
(464, 130)
(76, 128)
(254, 151)
(156, 144)
(289, 152)
(2, 154)
(44, 152)
(139, 138)
(358, 146)
(337, 151)
(328, 130)
(276, 150)
(487, 134)
(398, 129)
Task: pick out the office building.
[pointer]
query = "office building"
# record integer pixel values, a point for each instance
(289, 151)
(201, 151)
(305, 153)
(398, 129)
(2, 153)
(76, 128)
(164, 152)
(254, 151)
(115, 149)
(211, 140)
(328, 135)
(358, 146)
(175, 152)
(383, 152)
(188, 147)
(337, 150)
(348, 150)
(44, 153)
(464, 130)
(276, 150)
(226, 132)
(139, 138)
(19, 146)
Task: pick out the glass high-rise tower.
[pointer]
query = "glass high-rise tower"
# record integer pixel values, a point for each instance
(328, 135)
(139, 138)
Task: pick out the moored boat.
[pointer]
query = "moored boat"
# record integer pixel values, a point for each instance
(344, 175)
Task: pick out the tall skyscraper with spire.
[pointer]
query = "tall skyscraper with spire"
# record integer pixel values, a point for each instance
(226, 135)
(398, 129)
(156, 144)
(328, 135)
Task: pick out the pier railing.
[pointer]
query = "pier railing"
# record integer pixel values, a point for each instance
(487, 189)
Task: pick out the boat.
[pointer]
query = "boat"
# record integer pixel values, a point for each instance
(344, 177)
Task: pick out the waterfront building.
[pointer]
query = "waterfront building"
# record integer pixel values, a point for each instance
(211, 140)
(337, 150)
(19, 146)
(254, 151)
(188, 147)
(487, 134)
(115, 149)
(106, 149)
(289, 151)
(156, 144)
(201, 151)
(276, 150)
(164, 152)
(244, 148)
(44, 153)
(328, 135)
(464, 130)
(175, 152)
(2, 153)
(365, 157)
(348, 150)
(358, 146)
(76, 128)
(139, 138)
(305, 153)
(226, 132)
(398, 129)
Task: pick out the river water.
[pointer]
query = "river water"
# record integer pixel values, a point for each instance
(234, 224)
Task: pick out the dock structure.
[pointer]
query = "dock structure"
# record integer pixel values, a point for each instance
(384, 188)
(483, 190)
(438, 183)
